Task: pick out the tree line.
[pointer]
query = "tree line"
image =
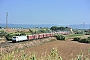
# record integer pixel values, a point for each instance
(61, 28)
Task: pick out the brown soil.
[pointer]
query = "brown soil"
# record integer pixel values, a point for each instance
(6, 47)
(67, 49)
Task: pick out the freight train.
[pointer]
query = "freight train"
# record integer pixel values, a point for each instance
(35, 36)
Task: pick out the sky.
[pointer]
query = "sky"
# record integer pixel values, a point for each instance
(61, 12)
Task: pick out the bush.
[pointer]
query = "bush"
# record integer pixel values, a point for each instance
(2, 33)
(88, 38)
(9, 36)
(23, 33)
(87, 33)
(60, 37)
(76, 38)
(84, 40)
(79, 32)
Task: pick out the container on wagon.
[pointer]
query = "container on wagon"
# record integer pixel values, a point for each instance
(52, 34)
(30, 37)
(36, 36)
(44, 35)
(40, 36)
(48, 35)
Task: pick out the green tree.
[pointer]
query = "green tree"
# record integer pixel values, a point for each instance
(54, 28)
(61, 28)
(0, 27)
(42, 31)
(9, 36)
(32, 32)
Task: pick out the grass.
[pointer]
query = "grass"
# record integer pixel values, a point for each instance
(54, 55)
(21, 55)
(73, 35)
(31, 56)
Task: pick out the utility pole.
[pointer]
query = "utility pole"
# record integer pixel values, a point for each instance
(6, 19)
(83, 28)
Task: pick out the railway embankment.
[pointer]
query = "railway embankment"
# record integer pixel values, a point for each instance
(2, 40)
(7, 47)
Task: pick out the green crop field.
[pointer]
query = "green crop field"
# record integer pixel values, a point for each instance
(73, 35)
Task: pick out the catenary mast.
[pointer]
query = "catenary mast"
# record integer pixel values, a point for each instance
(84, 28)
(6, 19)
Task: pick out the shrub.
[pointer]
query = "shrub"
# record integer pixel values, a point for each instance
(87, 33)
(2, 33)
(22, 33)
(84, 40)
(60, 37)
(88, 38)
(79, 32)
(9, 36)
(76, 38)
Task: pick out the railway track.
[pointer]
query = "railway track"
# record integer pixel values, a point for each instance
(9, 43)
(6, 44)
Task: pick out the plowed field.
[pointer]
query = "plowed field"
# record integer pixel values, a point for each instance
(67, 49)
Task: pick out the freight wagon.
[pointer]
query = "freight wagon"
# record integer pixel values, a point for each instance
(41, 36)
(35, 36)
(30, 37)
(44, 35)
